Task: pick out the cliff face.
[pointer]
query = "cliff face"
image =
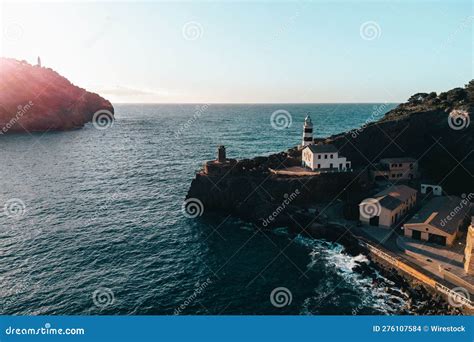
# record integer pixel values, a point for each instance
(33, 99)
(435, 129)
(421, 128)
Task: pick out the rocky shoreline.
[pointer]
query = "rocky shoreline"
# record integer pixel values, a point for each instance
(421, 300)
(249, 190)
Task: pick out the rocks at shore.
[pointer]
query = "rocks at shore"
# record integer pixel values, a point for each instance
(35, 99)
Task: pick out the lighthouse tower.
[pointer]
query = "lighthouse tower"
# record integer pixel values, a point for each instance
(307, 132)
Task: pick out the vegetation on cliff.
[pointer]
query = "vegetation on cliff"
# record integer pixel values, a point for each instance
(423, 128)
(34, 98)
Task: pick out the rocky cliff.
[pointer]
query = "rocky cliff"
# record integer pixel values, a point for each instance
(433, 128)
(34, 98)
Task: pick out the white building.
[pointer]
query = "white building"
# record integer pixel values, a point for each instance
(324, 158)
(387, 207)
(307, 132)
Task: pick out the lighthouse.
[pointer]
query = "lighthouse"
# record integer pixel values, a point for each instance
(307, 132)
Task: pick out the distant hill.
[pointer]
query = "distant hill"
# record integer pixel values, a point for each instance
(34, 98)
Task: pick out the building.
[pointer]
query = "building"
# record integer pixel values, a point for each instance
(436, 190)
(387, 207)
(396, 168)
(307, 132)
(468, 257)
(438, 221)
(324, 158)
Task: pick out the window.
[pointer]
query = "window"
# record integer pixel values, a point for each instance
(399, 165)
(331, 156)
(319, 156)
(319, 166)
(330, 166)
(411, 165)
(325, 156)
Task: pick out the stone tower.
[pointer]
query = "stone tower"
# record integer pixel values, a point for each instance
(38, 62)
(468, 252)
(307, 132)
(221, 154)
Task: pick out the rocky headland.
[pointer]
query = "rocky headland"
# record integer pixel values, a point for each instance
(433, 128)
(38, 99)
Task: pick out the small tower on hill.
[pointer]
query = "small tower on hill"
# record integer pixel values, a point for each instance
(38, 63)
(307, 132)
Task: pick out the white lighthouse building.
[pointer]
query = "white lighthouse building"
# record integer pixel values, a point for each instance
(307, 132)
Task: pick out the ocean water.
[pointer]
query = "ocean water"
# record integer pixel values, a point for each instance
(94, 222)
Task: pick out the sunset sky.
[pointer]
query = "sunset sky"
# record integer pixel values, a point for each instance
(342, 51)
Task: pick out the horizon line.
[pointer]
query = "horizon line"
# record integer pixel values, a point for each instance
(250, 103)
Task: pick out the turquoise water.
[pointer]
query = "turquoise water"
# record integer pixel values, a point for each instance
(102, 231)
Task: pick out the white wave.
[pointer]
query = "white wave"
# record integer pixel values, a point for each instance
(375, 292)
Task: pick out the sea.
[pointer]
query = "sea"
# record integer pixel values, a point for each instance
(91, 220)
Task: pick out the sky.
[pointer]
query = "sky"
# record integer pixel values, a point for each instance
(247, 52)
